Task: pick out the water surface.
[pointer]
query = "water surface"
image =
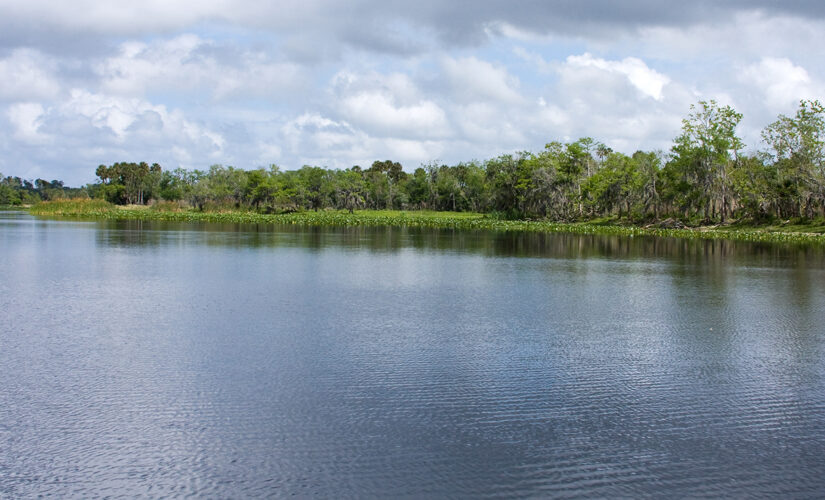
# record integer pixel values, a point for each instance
(168, 359)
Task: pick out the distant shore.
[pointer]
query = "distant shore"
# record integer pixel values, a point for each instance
(788, 233)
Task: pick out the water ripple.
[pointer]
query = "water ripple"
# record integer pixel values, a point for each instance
(194, 363)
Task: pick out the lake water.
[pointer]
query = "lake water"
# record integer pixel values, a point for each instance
(160, 359)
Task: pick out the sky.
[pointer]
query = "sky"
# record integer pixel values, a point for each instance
(250, 83)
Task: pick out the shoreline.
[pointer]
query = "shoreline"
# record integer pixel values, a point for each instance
(425, 219)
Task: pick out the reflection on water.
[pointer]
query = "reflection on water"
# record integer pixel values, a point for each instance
(489, 243)
(161, 359)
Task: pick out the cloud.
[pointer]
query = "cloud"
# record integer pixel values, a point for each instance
(117, 16)
(27, 74)
(745, 34)
(88, 129)
(781, 83)
(130, 122)
(388, 106)
(474, 80)
(646, 80)
(25, 120)
(314, 132)
(484, 124)
(330, 83)
(371, 24)
(465, 102)
(379, 112)
(189, 63)
(318, 140)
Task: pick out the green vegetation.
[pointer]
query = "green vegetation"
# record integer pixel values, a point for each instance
(16, 192)
(78, 207)
(706, 181)
(429, 219)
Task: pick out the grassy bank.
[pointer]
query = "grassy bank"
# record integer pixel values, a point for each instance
(448, 220)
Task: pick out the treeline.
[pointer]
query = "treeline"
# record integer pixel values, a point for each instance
(17, 191)
(706, 177)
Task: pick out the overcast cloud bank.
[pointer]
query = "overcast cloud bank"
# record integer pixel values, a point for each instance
(336, 84)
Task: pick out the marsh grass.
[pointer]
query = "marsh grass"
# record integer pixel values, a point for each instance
(807, 234)
(73, 208)
(166, 206)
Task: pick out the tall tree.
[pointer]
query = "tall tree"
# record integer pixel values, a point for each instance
(703, 154)
(797, 147)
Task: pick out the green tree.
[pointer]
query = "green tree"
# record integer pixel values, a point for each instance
(754, 180)
(349, 189)
(171, 185)
(618, 184)
(505, 184)
(315, 182)
(130, 183)
(448, 189)
(8, 194)
(649, 170)
(797, 148)
(702, 156)
(259, 187)
(381, 179)
(418, 188)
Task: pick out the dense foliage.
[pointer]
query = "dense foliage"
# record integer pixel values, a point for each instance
(706, 177)
(17, 191)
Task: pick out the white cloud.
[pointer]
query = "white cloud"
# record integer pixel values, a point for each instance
(86, 129)
(314, 139)
(139, 121)
(745, 35)
(383, 116)
(488, 123)
(473, 79)
(102, 111)
(189, 63)
(232, 93)
(623, 103)
(648, 81)
(388, 106)
(131, 119)
(25, 118)
(781, 82)
(27, 74)
(314, 132)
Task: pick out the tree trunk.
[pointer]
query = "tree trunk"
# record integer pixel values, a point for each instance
(724, 211)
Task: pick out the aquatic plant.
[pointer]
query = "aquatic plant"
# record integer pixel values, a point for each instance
(443, 220)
